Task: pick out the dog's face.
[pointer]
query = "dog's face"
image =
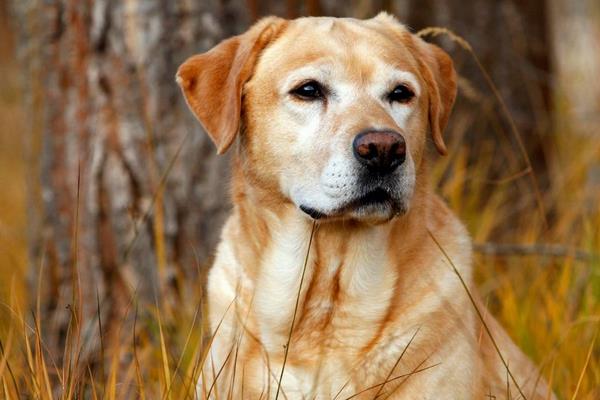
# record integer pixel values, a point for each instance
(335, 112)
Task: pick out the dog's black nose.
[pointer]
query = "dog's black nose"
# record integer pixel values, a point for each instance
(380, 151)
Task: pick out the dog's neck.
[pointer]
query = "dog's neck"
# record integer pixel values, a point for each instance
(263, 213)
(265, 216)
(357, 259)
(322, 274)
(332, 269)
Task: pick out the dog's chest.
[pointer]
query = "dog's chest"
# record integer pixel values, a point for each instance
(335, 294)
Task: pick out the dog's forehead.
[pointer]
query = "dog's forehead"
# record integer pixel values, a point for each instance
(343, 41)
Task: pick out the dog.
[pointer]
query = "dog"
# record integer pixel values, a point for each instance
(340, 273)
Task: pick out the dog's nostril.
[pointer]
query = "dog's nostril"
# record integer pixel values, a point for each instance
(372, 151)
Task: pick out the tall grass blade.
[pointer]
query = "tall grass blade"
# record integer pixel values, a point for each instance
(164, 356)
(10, 371)
(287, 346)
(396, 363)
(405, 376)
(585, 365)
(479, 314)
(136, 360)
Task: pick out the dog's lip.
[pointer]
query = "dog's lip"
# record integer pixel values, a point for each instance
(374, 197)
(312, 212)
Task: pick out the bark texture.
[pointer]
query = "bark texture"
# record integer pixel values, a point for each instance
(133, 193)
(576, 57)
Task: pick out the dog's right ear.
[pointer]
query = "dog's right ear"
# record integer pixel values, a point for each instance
(212, 82)
(438, 71)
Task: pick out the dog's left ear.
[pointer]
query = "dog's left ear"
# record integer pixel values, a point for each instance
(212, 82)
(439, 74)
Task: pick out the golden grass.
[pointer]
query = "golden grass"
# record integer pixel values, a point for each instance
(549, 305)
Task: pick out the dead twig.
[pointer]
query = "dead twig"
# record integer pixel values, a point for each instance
(536, 249)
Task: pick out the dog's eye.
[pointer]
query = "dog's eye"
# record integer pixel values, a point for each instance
(308, 91)
(401, 94)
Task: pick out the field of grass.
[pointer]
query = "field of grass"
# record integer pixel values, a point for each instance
(548, 298)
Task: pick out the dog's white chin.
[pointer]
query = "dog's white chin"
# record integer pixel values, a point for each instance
(373, 213)
(380, 204)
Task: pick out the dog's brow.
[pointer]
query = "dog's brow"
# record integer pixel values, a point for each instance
(396, 76)
(322, 72)
(315, 71)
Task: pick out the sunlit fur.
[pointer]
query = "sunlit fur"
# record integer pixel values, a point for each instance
(373, 298)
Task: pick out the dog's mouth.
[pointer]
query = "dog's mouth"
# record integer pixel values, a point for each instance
(378, 200)
(374, 197)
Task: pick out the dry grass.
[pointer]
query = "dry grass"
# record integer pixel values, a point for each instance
(550, 305)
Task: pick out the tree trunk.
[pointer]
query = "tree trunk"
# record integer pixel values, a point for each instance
(576, 57)
(576, 93)
(133, 193)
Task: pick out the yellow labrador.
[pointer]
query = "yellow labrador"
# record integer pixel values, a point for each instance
(328, 282)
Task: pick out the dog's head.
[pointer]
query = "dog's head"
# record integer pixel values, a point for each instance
(334, 113)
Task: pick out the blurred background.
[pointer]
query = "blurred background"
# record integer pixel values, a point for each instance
(112, 196)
